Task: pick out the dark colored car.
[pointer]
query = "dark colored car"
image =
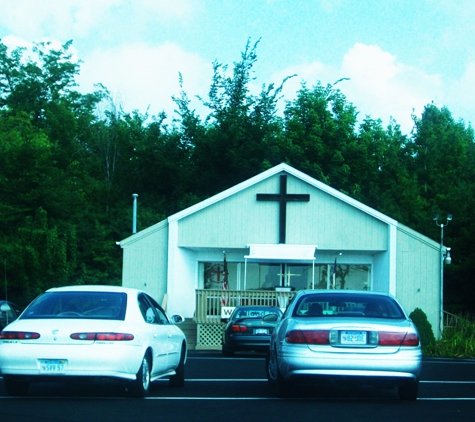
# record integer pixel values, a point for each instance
(246, 329)
(9, 312)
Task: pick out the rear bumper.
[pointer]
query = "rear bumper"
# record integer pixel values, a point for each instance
(247, 342)
(401, 367)
(102, 361)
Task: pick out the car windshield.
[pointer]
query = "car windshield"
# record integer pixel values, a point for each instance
(87, 305)
(254, 312)
(348, 305)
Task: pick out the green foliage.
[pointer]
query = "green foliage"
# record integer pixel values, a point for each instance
(458, 339)
(425, 330)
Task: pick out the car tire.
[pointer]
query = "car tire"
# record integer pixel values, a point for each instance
(275, 378)
(141, 386)
(178, 380)
(409, 391)
(14, 387)
(227, 351)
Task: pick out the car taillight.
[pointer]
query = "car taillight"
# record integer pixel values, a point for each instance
(308, 337)
(18, 335)
(239, 328)
(398, 339)
(102, 336)
(381, 338)
(411, 339)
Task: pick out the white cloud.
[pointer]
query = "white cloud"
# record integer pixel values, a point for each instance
(462, 94)
(383, 87)
(308, 73)
(72, 19)
(143, 76)
(380, 86)
(166, 9)
(61, 19)
(12, 42)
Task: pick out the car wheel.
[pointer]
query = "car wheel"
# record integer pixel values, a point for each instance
(227, 351)
(14, 387)
(409, 391)
(178, 380)
(280, 386)
(141, 386)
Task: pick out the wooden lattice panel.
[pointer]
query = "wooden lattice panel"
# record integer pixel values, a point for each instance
(209, 335)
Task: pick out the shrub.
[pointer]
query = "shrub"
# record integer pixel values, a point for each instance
(425, 330)
(458, 339)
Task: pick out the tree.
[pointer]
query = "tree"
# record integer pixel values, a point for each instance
(240, 130)
(444, 157)
(44, 182)
(319, 135)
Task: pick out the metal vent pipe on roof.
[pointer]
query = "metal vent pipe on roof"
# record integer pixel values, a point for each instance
(134, 214)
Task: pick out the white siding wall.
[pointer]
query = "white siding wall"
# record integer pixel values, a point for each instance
(381, 272)
(182, 276)
(145, 261)
(418, 280)
(240, 220)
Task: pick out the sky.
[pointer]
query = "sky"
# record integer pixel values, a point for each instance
(398, 55)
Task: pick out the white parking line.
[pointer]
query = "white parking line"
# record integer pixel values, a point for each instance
(302, 398)
(227, 379)
(447, 382)
(265, 380)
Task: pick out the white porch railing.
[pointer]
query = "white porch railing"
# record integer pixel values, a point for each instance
(209, 302)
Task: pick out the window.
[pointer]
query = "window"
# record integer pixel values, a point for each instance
(213, 275)
(87, 305)
(348, 305)
(151, 311)
(343, 277)
(299, 276)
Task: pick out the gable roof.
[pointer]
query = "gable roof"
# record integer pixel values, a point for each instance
(283, 167)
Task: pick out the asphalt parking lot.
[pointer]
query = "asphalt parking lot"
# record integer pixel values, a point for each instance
(236, 389)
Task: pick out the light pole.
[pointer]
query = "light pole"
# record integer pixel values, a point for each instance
(448, 260)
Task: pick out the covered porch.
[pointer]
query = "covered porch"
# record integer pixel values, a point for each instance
(214, 304)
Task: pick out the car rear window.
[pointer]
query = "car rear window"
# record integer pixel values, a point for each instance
(255, 312)
(75, 305)
(348, 305)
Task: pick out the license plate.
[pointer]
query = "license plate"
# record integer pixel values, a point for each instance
(52, 366)
(353, 337)
(261, 331)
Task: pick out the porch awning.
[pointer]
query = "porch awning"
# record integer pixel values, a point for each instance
(281, 253)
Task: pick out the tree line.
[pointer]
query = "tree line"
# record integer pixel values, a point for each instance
(69, 163)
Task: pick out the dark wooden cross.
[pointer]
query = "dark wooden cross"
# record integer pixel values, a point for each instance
(283, 197)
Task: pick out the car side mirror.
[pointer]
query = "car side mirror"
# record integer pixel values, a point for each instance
(177, 319)
(270, 318)
(5, 307)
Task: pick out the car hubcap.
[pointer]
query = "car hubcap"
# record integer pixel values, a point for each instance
(272, 367)
(145, 374)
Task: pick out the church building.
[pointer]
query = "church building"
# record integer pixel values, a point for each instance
(274, 234)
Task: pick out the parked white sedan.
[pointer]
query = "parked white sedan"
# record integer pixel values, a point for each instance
(96, 332)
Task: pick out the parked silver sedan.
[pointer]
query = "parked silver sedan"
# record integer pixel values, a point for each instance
(96, 333)
(345, 335)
